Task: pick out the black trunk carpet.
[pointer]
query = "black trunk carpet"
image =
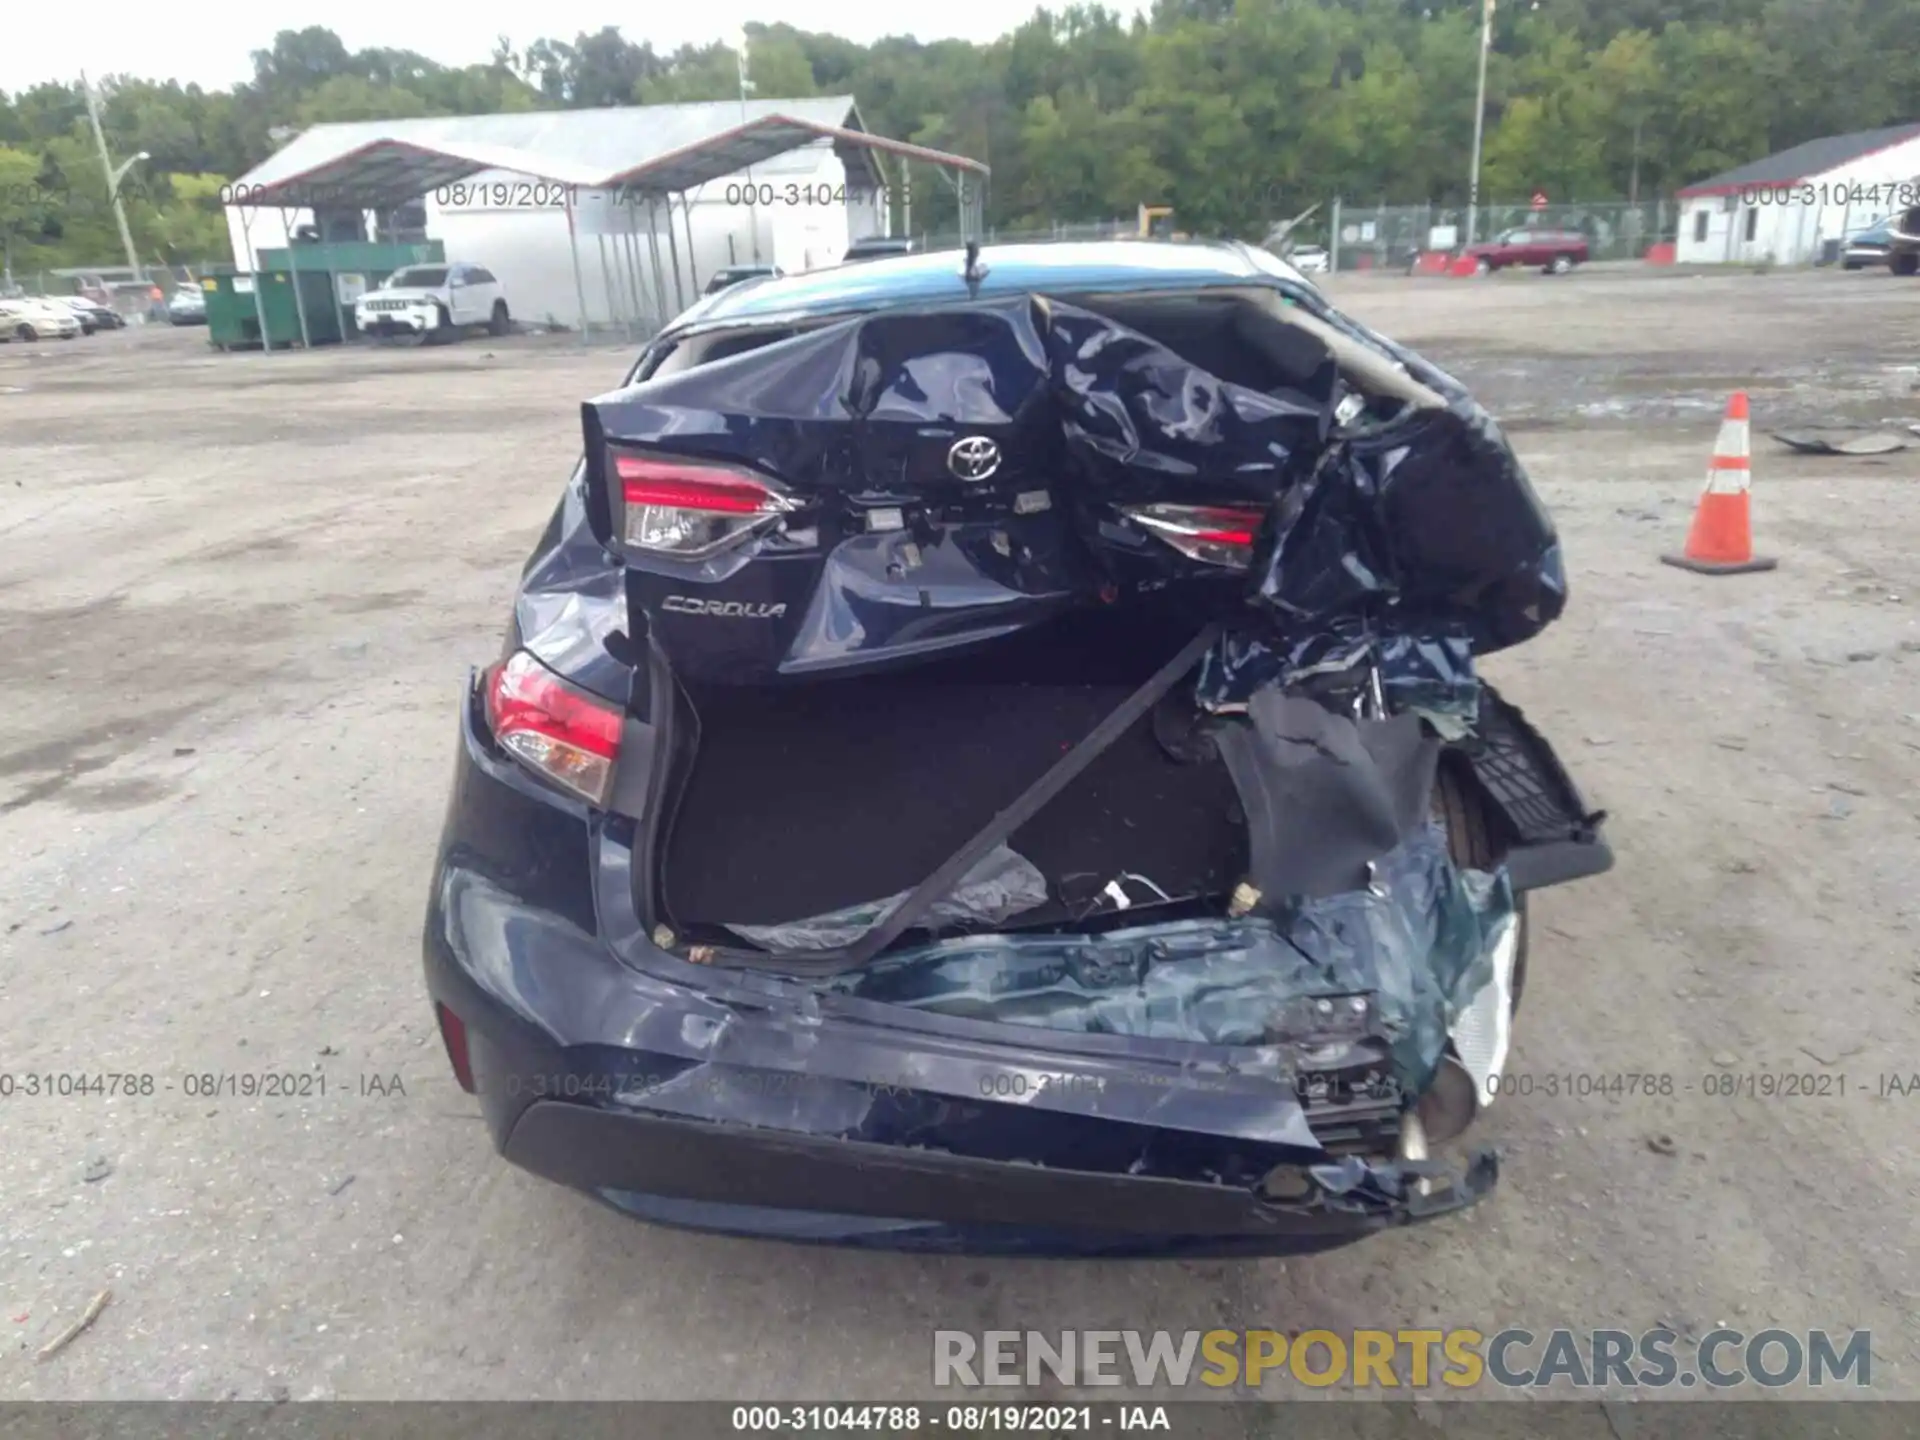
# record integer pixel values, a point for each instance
(809, 799)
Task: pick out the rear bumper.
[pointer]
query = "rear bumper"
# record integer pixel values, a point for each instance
(857, 1191)
(749, 1104)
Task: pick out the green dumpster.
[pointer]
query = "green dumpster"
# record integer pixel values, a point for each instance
(352, 267)
(236, 303)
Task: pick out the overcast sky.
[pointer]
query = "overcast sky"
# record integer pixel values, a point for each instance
(40, 41)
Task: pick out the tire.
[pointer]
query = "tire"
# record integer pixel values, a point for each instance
(499, 323)
(1560, 265)
(1484, 266)
(1470, 841)
(443, 332)
(1903, 263)
(26, 332)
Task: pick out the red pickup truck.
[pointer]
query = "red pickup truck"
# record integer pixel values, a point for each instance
(1554, 251)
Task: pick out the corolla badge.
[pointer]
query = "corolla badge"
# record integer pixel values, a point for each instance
(973, 458)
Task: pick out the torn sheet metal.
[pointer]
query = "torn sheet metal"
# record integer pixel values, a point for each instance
(1482, 1030)
(1426, 672)
(1841, 442)
(571, 608)
(1004, 884)
(1417, 946)
(1424, 522)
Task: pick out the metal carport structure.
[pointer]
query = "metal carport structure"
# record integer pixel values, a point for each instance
(384, 165)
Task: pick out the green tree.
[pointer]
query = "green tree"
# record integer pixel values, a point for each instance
(29, 212)
(1236, 112)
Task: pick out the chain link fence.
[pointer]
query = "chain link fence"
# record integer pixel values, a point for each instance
(1388, 237)
(69, 281)
(1119, 228)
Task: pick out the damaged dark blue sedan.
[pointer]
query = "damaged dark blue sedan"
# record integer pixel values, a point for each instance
(988, 756)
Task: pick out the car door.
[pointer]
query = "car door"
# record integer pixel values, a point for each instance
(459, 296)
(477, 290)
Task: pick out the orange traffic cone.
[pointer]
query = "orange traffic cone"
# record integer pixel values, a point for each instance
(1721, 540)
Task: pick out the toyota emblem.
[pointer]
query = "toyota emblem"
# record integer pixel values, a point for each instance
(974, 458)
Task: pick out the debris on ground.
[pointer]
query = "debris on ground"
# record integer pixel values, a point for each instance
(98, 1168)
(73, 1332)
(1814, 441)
(1662, 1145)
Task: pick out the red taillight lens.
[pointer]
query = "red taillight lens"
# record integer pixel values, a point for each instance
(1213, 534)
(568, 737)
(453, 1034)
(675, 507)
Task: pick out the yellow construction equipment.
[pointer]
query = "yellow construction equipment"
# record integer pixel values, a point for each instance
(1156, 223)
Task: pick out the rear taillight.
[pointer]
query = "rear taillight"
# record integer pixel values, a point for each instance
(570, 738)
(1213, 534)
(453, 1034)
(677, 507)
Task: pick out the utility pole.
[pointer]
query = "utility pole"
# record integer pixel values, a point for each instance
(753, 214)
(1633, 180)
(1479, 119)
(113, 178)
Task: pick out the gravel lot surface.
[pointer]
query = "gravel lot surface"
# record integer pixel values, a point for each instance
(238, 599)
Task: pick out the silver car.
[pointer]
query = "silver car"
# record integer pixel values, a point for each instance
(187, 306)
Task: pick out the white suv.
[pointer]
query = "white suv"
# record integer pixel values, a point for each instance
(433, 301)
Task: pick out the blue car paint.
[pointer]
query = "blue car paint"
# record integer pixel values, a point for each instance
(534, 937)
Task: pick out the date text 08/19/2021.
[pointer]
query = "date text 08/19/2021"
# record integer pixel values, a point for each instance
(543, 195)
(25, 1085)
(950, 1419)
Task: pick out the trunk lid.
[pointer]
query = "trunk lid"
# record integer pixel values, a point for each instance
(943, 477)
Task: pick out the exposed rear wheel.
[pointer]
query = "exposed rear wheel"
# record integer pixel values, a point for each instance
(1470, 841)
(500, 322)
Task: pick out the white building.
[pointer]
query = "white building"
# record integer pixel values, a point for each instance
(1783, 208)
(585, 208)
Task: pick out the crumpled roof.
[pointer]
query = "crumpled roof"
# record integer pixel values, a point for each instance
(653, 148)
